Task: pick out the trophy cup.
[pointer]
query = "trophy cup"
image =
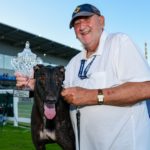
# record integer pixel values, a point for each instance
(24, 63)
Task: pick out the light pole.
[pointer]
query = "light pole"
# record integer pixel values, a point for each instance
(146, 52)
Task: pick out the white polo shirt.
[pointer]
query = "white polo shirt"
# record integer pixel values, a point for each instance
(104, 127)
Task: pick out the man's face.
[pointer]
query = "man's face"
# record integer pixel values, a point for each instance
(88, 29)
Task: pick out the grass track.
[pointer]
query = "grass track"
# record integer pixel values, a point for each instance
(18, 138)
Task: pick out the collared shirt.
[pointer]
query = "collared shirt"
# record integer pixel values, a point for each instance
(103, 127)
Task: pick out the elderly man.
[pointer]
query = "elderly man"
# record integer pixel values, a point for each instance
(108, 82)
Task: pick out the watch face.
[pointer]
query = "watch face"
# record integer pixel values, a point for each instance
(100, 99)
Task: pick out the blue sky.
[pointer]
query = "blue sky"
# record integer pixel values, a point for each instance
(50, 18)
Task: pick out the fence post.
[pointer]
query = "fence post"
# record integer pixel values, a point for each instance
(15, 106)
(16, 95)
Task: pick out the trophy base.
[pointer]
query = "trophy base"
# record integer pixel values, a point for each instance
(23, 93)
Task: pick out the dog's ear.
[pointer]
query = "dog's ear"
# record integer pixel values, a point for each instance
(37, 68)
(62, 69)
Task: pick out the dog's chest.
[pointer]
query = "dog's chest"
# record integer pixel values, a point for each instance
(47, 134)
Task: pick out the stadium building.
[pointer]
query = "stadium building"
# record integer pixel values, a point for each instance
(12, 42)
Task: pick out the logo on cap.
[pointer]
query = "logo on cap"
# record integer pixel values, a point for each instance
(77, 10)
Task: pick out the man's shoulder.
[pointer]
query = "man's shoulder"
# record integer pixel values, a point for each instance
(76, 58)
(118, 36)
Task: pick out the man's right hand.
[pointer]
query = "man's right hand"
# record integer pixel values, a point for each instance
(23, 81)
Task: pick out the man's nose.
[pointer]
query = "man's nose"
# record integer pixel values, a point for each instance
(82, 24)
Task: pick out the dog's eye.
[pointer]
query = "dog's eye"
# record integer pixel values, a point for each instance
(42, 78)
(56, 78)
(57, 83)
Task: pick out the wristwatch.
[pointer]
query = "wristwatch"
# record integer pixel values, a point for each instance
(100, 97)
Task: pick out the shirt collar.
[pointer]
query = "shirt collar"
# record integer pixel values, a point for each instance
(100, 47)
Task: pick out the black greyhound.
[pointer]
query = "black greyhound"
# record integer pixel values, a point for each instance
(50, 119)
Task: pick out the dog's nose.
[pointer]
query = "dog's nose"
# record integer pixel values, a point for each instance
(50, 102)
(51, 99)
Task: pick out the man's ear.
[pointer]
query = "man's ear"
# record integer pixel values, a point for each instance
(102, 21)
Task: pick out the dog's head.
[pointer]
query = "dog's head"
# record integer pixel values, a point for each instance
(48, 85)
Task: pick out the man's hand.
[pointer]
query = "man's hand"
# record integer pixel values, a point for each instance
(22, 81)
(80, 96)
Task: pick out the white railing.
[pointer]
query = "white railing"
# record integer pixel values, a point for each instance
(20, 114)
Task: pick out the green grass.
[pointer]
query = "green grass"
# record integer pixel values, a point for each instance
(19, 138)
(24, 109)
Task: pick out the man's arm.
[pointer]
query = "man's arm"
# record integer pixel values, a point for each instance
(127, 93)
(122, 95)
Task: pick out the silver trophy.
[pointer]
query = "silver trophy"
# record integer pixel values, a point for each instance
(25, 61)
